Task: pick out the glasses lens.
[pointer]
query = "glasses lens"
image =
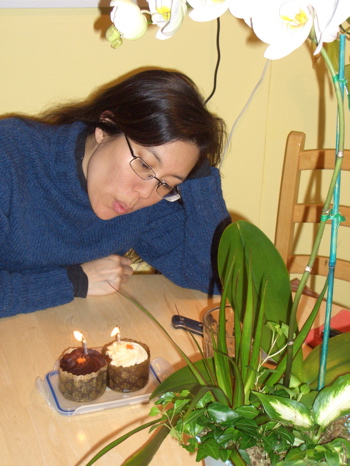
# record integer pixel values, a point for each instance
(168, 193)
(141, 168)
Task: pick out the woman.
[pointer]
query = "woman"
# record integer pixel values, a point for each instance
(85, 184)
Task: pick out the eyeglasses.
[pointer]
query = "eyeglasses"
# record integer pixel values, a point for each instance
(146, 173)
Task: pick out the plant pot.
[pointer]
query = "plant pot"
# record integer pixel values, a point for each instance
(211, 462)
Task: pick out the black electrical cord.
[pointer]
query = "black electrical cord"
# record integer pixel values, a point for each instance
(217, 61)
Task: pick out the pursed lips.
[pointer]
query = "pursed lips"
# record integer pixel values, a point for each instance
(121, 207)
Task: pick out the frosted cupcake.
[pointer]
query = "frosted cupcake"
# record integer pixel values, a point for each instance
(128, 364)
(82, 376)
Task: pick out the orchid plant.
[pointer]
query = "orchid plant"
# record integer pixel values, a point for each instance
(283, 24)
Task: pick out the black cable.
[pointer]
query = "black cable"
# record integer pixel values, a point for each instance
(217, 61)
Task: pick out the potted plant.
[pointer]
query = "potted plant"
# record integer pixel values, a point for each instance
(229, 408)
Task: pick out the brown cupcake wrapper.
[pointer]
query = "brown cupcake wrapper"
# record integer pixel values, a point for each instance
(127, 379)
(82, 387)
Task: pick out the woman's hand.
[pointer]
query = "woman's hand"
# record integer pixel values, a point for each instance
(107, 274)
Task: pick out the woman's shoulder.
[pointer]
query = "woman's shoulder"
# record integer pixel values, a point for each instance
(25, 125)
(17, 132)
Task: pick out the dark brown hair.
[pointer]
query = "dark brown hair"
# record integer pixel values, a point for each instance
(153, 107)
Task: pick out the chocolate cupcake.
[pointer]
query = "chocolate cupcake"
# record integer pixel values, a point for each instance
(128, 365)
(82, 377)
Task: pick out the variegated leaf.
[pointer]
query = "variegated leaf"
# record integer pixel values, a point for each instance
(333, 402)
(286, 411)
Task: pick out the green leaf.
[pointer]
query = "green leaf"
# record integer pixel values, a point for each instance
(180, 405)
(338, 361)
(193, 425)
(332, 457)
(247, 425)
(185, 357)
(249, 412)
(145, 455)
(332, 402)
(183, 378)
(208, 448)
(286, 411)
(247, 327)
(221, 360)
(240, 243)
(221, 413)
(299, 340)
(154, 411)
(120, 440)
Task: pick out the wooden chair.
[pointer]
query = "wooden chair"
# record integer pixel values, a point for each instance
(292, 213)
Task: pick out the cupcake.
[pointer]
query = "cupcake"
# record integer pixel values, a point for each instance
(128, 365)
(82, 375)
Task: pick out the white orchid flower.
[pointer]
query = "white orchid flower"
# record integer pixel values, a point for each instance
(285, 25)
(329, 15)
(128, 19)
(168, 15)
(243, 9)
(207, 10)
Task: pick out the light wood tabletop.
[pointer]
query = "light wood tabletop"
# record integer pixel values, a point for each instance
(32, 433)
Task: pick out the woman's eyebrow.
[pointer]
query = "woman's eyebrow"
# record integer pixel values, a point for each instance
(154, 153)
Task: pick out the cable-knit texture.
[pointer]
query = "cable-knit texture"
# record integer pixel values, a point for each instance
(46, 222)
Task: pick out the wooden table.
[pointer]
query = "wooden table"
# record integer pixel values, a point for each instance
(33, 434)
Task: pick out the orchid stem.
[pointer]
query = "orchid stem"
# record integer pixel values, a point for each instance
(325, 211)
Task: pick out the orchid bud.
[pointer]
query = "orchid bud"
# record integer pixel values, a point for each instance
(112, 33)
(128, 19)
(117, 43)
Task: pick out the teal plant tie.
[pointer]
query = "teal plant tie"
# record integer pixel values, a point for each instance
(337, 217)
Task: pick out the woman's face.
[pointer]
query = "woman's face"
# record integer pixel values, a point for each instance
(115, 189)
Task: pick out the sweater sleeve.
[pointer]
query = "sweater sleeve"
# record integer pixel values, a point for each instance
(182, 241)
(31, 291)
(22, 291)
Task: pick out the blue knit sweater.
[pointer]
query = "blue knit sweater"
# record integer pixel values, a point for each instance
(46, 222)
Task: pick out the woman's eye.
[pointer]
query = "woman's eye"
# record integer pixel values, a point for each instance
(144, 165)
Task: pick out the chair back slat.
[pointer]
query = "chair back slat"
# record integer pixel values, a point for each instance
(292, 213)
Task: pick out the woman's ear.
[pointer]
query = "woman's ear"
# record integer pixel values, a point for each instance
(99, 135)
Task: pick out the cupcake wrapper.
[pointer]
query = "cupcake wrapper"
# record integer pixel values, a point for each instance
(83, 387)
(128, 379)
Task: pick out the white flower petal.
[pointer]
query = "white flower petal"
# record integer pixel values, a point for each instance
(207, 10)
(328, 16)
(243, 9)
(168, 15)
(284, 25)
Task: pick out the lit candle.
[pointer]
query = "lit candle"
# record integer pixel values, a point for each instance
(116, 332)
(80, 337)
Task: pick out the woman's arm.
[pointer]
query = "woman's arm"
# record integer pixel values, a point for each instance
(30, 291)
(182, 241)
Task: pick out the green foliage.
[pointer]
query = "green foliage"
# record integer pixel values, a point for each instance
(254, 257)
(223, 406)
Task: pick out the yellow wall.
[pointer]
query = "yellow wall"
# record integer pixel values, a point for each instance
(49, 56)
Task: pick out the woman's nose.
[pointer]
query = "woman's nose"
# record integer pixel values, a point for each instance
(147, 188)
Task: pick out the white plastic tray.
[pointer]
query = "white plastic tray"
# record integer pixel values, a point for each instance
(160, 369)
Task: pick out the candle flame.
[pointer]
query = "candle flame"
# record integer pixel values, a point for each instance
(78, 335)
(115, 331)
